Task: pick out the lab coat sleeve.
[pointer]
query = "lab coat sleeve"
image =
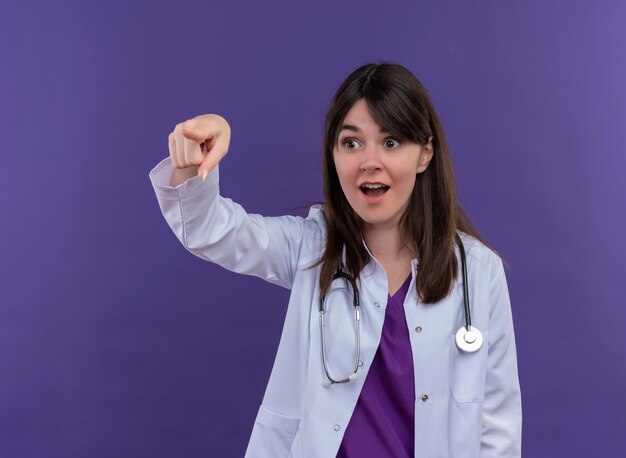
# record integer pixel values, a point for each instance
(502, 409)
(219, 230)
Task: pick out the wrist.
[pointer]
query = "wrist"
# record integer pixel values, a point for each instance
(181, 175)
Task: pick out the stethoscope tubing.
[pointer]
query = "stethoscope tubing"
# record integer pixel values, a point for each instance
(468, 338)
(466, 304)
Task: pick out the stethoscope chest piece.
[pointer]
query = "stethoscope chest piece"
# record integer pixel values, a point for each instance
(469, 340)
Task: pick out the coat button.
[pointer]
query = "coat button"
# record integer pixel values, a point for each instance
(418, 329)
(360, 363)
(336, 427)
(377, 304)
(424, 397)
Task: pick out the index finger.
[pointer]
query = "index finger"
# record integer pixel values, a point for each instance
(213, 157)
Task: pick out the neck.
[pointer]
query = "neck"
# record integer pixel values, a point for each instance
(386, 243)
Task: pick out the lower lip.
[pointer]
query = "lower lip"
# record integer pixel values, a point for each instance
(373, 199)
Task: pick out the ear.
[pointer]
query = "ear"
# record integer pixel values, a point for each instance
(426, 155)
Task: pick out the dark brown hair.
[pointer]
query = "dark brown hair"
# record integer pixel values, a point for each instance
(399, 103)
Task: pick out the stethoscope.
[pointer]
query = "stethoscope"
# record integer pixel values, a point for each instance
(468, 338)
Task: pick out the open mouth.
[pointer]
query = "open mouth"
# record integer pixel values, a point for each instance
(374, 190)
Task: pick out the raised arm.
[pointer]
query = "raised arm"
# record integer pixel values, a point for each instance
(216, 228)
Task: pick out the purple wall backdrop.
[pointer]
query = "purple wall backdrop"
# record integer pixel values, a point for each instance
(114, 341)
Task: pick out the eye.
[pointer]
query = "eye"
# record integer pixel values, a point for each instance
(392, 143)
(351, 143)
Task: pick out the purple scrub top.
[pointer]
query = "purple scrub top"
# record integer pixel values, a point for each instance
(382, 423)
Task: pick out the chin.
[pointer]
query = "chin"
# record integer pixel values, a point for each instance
(372, 220)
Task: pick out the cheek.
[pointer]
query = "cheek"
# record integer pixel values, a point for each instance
(407, 183)
(344, 172)
(410, 181)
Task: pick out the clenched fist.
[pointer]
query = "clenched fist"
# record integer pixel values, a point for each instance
(197, 145)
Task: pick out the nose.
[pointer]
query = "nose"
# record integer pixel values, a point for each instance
(370, 159)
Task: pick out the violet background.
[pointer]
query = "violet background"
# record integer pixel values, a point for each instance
(114, 341)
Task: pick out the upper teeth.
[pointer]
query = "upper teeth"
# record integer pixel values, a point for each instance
(374, 186)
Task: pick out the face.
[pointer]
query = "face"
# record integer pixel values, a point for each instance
(377, 172)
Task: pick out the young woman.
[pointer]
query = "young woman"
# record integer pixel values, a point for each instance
(390, 347)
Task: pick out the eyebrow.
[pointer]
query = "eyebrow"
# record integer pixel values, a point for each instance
(356, 129)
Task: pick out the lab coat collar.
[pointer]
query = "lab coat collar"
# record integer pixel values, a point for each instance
(370, 267)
